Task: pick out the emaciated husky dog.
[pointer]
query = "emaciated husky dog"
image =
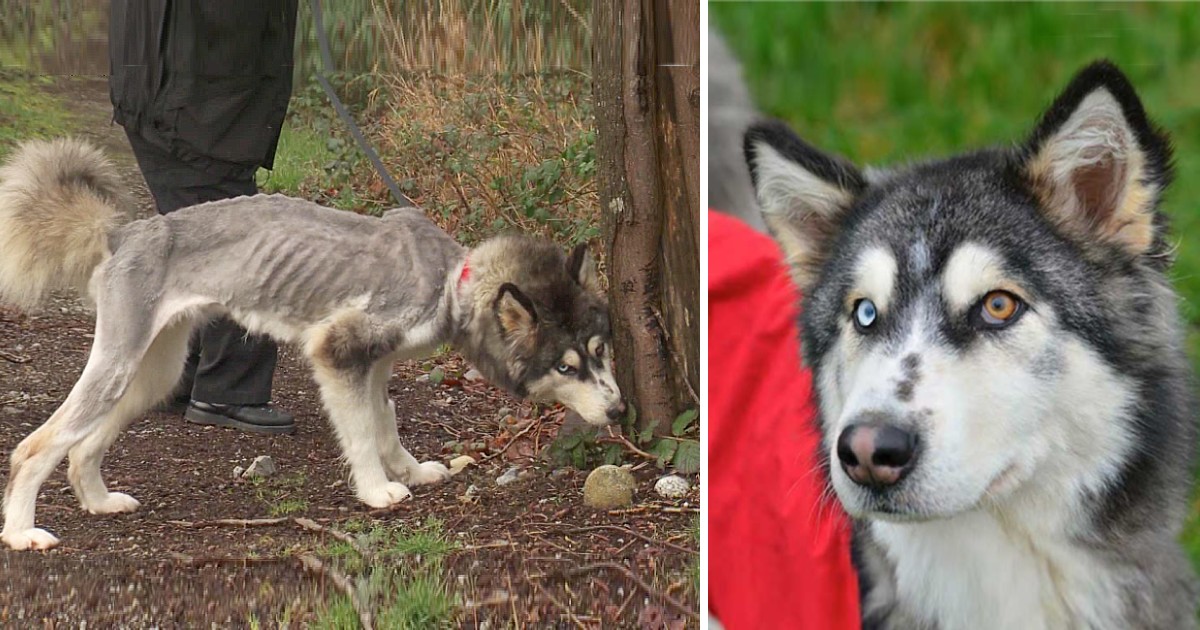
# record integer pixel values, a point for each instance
(355, 292)
(1000, 371)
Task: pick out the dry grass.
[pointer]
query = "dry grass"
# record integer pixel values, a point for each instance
(485, 35)
(485, 154)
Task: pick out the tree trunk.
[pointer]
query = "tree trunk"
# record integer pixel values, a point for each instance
(647, 93)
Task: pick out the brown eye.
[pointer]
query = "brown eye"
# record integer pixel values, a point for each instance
(999, 309)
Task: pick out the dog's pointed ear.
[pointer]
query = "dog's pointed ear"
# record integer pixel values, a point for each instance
(804, 194)
(582, 268)
(516, 315)
(1096, 163)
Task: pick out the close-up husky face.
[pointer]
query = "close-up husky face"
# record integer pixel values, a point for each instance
(560, 341)
(975, 323)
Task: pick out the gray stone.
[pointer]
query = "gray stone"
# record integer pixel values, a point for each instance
(609, 487)
(262, 466)
(509, 476)
(672, 487)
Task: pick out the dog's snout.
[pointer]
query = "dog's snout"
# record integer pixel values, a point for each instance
(876, 455)
(615, 412)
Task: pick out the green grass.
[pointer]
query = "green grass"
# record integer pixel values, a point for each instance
(880, 83)
(405, 582)
(277, 493)
(28, 111)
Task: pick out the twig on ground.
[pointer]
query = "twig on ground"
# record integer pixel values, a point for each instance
(491, 545)
(671, 601)
(244, 561)
(314, 526)
(670, 509)
(624, 530)
(554, 600)
(512, 603)
(441, 425)
(313, 564)
(617, 438)
(235, 522)
(519, 435)
(15, 358)
(625, 603)
(495, 599)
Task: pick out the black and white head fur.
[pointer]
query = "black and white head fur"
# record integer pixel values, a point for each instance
(1003, 321)
(541, 326)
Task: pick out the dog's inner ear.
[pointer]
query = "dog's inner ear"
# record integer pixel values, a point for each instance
(1090, 175)
(804, 194)
(582, 268)
(517, 316)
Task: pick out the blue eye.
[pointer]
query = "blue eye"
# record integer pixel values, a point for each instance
(566, 370)
(864, 314)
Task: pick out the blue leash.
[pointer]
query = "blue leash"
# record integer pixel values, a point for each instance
(327, 61)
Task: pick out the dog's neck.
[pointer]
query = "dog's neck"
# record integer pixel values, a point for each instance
(471, 287)
(1014, 571)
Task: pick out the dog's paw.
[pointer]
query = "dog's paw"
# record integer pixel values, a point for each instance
(32, 538)
(387, 495)
(429, 472)
(114, 503)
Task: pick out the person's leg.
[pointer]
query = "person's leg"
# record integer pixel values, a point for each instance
(228, 375)
(235, 368)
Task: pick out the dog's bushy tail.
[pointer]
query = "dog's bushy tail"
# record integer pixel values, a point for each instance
(59, 200)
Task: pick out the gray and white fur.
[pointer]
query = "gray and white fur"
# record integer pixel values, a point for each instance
(998, 356)
(356, 293)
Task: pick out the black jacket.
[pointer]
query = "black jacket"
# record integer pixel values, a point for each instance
(207, 80)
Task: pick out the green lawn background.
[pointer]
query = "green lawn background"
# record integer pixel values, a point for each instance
(887, 82)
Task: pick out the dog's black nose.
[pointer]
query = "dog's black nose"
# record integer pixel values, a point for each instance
(615, 412)
(876, 455)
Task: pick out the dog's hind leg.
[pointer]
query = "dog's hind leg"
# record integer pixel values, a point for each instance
(397, 461)
(99, 390)
(123, 335)
(156, 376)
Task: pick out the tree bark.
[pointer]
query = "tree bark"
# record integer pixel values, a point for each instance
(647, 91)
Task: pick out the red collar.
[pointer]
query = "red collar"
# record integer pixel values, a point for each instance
(466, 272)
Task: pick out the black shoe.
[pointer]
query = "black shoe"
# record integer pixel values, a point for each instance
(174, 406)
(254, 418)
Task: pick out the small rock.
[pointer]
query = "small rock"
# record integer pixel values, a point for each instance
(459, 463)
(262, 466)
(449, 445)
(437, 375)
(608, 487)
(559, 473)
(503, 413)
(237, 471)
(509, 476)
(472, 375)
(672, 487)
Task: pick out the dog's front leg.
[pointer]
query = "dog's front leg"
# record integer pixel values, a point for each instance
(397, 461)
(353, 407)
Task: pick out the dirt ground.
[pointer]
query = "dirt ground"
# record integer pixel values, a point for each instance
(530, 553)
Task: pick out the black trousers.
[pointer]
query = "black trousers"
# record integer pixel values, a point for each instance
(225, 364)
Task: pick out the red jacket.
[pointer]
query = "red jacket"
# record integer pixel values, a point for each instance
(779, 554)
